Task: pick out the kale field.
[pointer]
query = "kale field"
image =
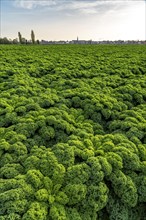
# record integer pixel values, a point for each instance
(73, 132)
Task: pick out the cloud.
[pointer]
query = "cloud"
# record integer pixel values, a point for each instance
(31, 4)
(92, 6)
(79, 5)
(95, 6)
(76, 6)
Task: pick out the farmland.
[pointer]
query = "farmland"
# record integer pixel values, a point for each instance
(73, 132)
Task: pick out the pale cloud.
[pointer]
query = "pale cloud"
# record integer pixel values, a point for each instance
(31, 4)
(88, 11)
(63, 4)
(95, 6)
(88, 7)
(85, 7)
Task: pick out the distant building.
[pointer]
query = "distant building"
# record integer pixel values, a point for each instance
(77, 41)
(81, 42)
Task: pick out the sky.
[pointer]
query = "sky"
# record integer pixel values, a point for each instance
(67, 19)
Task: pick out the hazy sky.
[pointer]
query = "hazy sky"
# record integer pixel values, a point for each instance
(67, 19)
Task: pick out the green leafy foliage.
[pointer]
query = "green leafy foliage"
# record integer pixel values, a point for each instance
(73, 132)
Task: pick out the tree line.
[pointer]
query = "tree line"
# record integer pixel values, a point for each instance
(20, 40)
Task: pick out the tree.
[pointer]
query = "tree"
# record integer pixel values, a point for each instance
(20, 37)
(5, 41)
(15, 41)
(24, 41)
(32, 36)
